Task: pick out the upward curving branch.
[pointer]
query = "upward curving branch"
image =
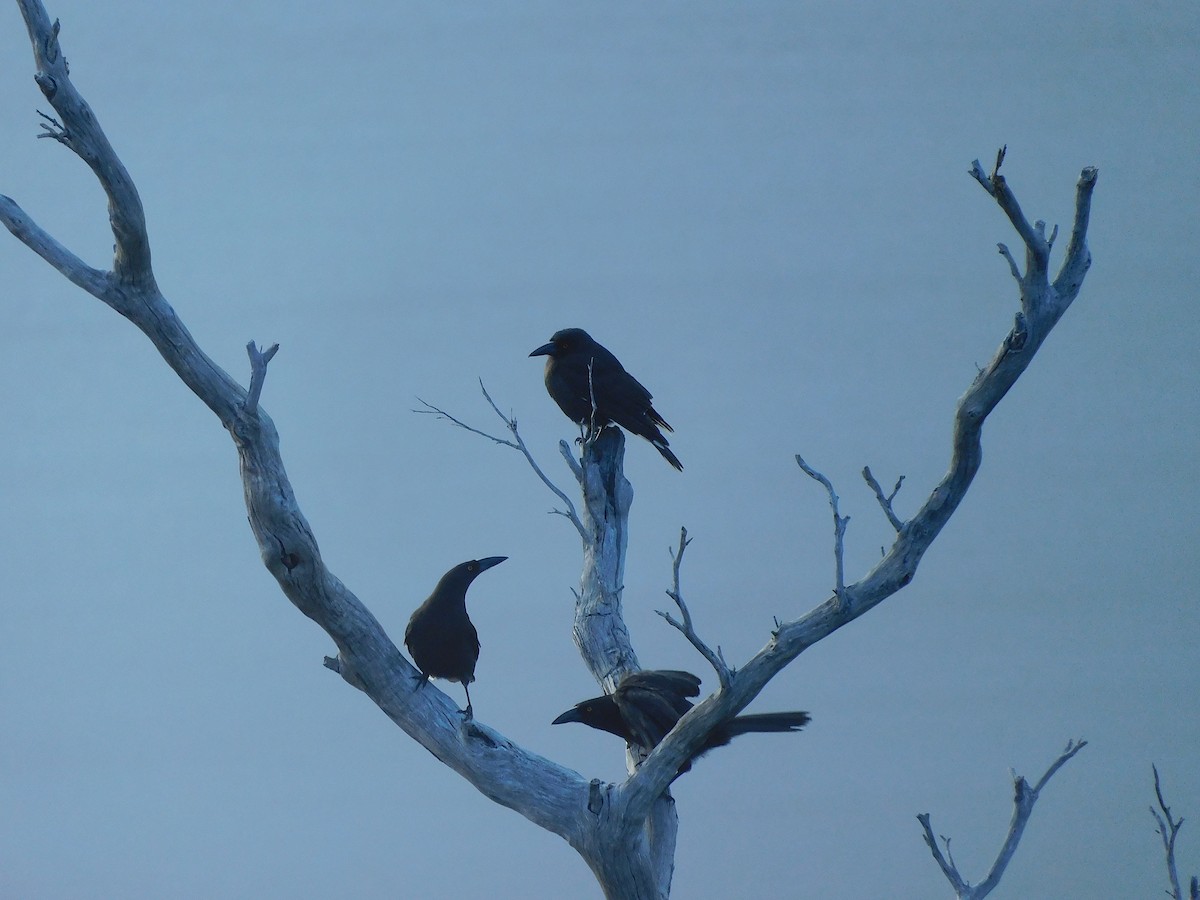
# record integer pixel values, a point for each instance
(81, 133)
(1024, 797)
(1042, 305)
(548, 794)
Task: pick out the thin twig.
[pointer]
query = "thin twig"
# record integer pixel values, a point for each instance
(431, 410)
(52, 128)
(1071, 749)
(839, 528)
(885, 502)
(948, 868)
(1012, 263)
(715, 659)
(510, 423)
(1037, 249)
(258, 374)
(517, 443)
(1078, 259)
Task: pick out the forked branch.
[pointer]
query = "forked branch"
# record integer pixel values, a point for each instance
(258, 374)
(1042, 305)
(715, 658)
(1023, 800)
(1168, 830)
(885, 502)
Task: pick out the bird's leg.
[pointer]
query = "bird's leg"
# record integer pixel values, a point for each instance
(468, 712)
(585, 434)
(422, 678)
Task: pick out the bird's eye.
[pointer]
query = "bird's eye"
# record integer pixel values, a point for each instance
(471, 567)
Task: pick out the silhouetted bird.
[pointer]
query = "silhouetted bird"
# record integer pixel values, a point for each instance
(440, 636)
(591, 386)
(647, 704)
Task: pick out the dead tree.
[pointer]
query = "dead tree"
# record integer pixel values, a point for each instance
(625, 832)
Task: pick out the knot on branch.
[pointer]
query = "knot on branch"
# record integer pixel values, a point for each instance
(1015, 342)
(48, 85)
(51, 48)
(595, 796)
(1020, 789)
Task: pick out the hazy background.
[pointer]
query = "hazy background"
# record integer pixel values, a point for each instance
(764, 211)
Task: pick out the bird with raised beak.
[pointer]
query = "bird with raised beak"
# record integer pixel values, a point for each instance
(440, 635)
(591, 386)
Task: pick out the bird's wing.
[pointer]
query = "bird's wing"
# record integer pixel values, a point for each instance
(626, 401)
(675, 681)
(651, 702)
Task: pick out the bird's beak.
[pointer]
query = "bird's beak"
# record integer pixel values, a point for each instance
(571, 715)
(544, 350)
(490, 561)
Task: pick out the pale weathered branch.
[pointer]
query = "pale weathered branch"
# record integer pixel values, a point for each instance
(885, 502)
(632, 856)
(715, 658)
(599, 628)
(1037, 249)
(564, 450)
(439, 413)
(1012, 263)
(944, 861)
(1023, 800)
(25, 230)
(1078, 259)
(1168, 829)
(81, 132)
(1045, 305)
(548, 794)
(258, 374)
(839, 527)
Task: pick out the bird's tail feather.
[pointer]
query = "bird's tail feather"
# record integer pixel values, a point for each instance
(661, 446)
(782, 721)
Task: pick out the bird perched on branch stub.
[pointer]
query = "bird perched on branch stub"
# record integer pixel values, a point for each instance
(440, 636)
(647, 704)
(591, 386)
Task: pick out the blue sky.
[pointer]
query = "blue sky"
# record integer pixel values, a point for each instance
(764, 212)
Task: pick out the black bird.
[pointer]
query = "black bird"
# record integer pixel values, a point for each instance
(647, 704)
(440, 636)
(591, 386)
